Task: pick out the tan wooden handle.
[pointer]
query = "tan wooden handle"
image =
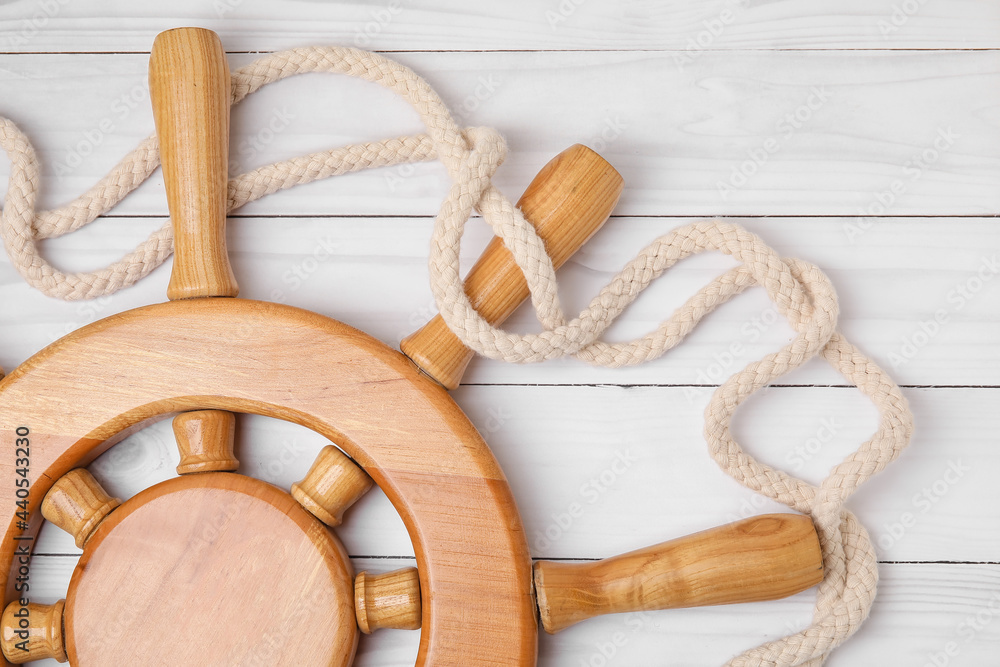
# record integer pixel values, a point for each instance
(567, 202)
(761, 558)
(189, 86)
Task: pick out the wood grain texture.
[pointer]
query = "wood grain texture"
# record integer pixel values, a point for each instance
(761, 558)
(919, 611)
(214, 569)
(920, 608)
(77, 504)
(675, 137)
(205, 441)
(189, 88)
(331, 486)
(566, 202)
(553, 442)
(685, 28)
(634, 462)
(33, 632)
(687, 126)
(896, 275)
(368, 399)
(389, 600)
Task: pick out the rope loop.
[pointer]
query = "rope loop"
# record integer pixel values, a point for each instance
(800, 291)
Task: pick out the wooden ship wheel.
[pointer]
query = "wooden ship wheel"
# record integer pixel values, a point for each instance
(215, 568)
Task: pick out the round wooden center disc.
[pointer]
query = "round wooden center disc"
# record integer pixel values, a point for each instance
(211, 569)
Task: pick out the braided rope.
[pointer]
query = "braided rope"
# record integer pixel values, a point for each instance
(802, 293)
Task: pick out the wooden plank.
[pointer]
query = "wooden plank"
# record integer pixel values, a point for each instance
(371, 273)
(597, 471)
(922, 610)
(689, 28)
(918, 613)
(852, 133)
(680, 97)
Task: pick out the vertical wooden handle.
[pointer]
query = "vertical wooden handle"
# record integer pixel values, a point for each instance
(761, 558)
(567, 202)
(189, 86)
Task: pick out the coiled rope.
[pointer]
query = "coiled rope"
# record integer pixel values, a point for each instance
(802, 293)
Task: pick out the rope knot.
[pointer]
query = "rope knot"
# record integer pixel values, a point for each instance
(488, 149)
(800, 291)
(826, 508)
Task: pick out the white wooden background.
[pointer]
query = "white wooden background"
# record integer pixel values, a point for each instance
(867, 101)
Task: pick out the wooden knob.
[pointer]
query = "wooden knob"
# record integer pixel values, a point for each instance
(761, 558)
(77, 504)
(567, 202)
(333, 483)
(390, 600)
(205, 439)
(33, 632)
(189, 87)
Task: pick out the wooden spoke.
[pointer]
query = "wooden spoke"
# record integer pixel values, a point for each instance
(205, 440)
(390, 600)
(77, 504)
(33, 632)
(333, 484)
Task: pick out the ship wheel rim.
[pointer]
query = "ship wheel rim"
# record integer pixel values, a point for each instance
(461, 474)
